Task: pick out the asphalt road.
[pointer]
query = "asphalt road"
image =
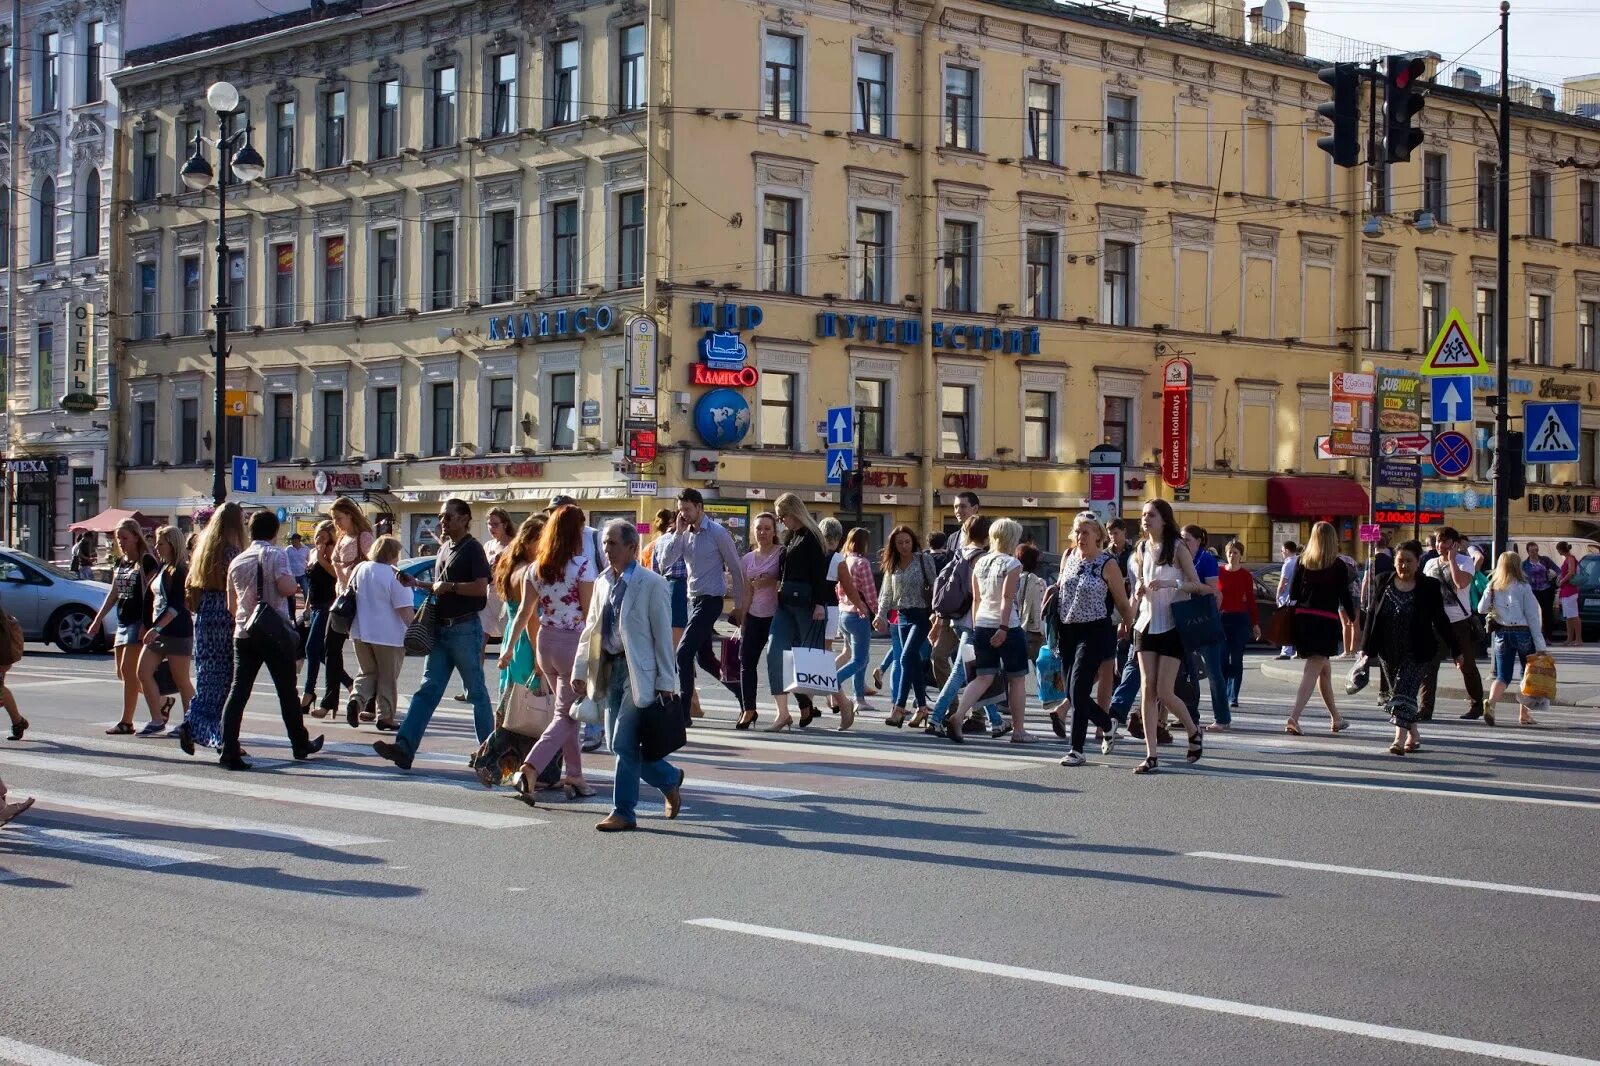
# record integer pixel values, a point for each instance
(880, 897)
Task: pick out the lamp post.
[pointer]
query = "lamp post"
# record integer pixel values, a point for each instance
(246, 165)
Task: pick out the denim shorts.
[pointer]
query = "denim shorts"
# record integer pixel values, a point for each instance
(1011, 657)
(129, 634)
(1511, 648)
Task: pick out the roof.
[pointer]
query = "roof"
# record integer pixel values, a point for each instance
(222, 36)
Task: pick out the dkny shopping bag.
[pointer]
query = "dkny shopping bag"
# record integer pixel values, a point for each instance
(811, 671)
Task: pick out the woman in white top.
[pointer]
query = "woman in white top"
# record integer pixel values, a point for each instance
(1509, 603)
(355, 541)
(384, 608)
(1163, 569)
(997, 635)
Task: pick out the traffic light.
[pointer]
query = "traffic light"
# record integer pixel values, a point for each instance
(850, 492)
(1402, 99)
(1510, 481)
(1344, 110)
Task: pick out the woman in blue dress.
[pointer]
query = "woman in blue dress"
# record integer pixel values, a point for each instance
(222, 539)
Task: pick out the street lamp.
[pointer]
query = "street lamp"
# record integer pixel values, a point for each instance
(246, 165)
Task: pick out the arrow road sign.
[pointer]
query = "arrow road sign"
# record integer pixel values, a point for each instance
(244, 473)
(1451, 399)
(841, 428)
(840, 460)
(1550, 432)
(1452, 454)
(1404, 444)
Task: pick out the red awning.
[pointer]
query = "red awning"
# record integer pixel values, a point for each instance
(108, 520)
(1313, 497)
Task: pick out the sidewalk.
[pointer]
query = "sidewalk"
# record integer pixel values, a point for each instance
(1577, 675)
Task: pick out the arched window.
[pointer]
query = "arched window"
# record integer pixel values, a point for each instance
(89, 217)
(44, 240)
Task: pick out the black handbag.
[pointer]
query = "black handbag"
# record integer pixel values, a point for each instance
(424, 626)
(661, 731)
(1198, 622)
(342, 611)
(266, 626)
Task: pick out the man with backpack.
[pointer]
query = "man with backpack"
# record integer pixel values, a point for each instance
(952, 614)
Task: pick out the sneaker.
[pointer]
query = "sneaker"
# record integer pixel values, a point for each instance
(999, 731)
(1109, 741)
(393, 752)
(1072, 758)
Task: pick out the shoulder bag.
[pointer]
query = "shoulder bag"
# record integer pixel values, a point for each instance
(265, 625)
(421, 631)
(661, 731)
(343, 610)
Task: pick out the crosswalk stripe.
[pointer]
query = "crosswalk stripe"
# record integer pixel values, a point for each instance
(63, 765)
(54, 682)
(30, 1055)
(421, 812)
(128, 852)
(875, 753)
(172, 816)
(693, 786)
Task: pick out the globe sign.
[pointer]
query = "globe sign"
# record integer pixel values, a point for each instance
(722, 418)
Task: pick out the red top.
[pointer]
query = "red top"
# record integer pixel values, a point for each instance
(1239, 593)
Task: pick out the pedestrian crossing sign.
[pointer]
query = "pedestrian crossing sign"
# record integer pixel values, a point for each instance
(1550, 432)
(1453, 351)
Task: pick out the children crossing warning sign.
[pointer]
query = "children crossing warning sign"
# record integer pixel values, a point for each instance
(1453, 351)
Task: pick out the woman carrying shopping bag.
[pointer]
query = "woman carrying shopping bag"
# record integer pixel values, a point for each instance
(1514, 618)
(802, 613)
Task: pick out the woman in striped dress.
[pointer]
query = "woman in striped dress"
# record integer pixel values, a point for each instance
(207, 586)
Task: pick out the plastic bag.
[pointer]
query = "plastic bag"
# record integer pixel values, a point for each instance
(1539, 679)
(1052, 683)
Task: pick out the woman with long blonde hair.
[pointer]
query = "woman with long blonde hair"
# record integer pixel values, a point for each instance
(349, 551)
(207, 586)
(802, 613)
(1510, 604)
(1320, 593)
(170, 636)
(134, 567)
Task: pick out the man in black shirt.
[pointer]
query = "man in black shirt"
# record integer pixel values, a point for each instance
(460, 592)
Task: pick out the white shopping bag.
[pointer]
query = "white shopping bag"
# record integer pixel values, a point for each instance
(810, 670)
(969, 653)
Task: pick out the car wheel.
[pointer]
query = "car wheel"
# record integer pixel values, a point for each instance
(69, 629)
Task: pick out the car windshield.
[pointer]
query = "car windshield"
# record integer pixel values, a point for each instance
(50, 568)
(1588, 575)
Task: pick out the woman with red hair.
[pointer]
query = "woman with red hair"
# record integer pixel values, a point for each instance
(555, 602)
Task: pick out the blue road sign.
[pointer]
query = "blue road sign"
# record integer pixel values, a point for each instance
(1451, 399)
(1550, 432)
(1452, 453)
(840, 460)
(841, 429)
(244, 473)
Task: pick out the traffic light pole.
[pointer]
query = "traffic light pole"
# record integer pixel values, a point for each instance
(1502, 325)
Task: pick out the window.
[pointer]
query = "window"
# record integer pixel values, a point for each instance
(957, 265)
(386, 272)
(1378, 312)
(1485, 306)
(630, 240)
(144, 436)
(872, 93)
(777, 410)
(149, 313)
(1433, 305)
(236, 290)
(189, 265)
(1488, 195)
(188, 432)
(6, 236)
(232, 123)
(500, 415)
(184, 149)
(442, 271)
(619, 409)
(233, 436)
(1116, 284)
(1588, 212)
(1114, 422)
(1040, 276)
(564, 248)
(1122, 155)
(1038, 425)
(871, 424)
(564, 82)
(282, 285)
(1587, 452)
(283, 160)
(89, 217)
(960, 94)
(1588, 335)
(1378, 191)
(282, 426)
(1539, 329)
(563, 408)
(1539, 204)
(1041, 127)
(502, 230)
(333, 115)
(779, 248)
(444, 418)
(630, 69)
(149, 165)
(780, 87)
(442, 108)
(955, 421)
(871, 281)
(47, 84)
(503, 101)
(386, 414)
(331, 446)
(44, 376)
(94, 49)
(6, 58)
(386, 125)
(44, 238)
(331, 306)
(1435, 201)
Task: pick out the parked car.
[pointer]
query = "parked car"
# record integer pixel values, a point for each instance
(1588, 581)
(421, 569)
(51, 605)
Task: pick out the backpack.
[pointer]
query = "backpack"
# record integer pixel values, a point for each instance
(10, 640)
(952, 589)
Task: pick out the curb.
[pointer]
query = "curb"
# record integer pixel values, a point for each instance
(1289, 671)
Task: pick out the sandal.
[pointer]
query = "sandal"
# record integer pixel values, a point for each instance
(1292, 728)
(121, 729)
(1196, 746)
(1149, 766)
(1338, 726)
(1412, 749)
(1396, 749)
(896, 720)
(1520, 721)
(19, 727)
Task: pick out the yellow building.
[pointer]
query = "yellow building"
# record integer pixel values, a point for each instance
(984, 226)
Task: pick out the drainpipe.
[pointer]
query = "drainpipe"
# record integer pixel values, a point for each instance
(927, 244)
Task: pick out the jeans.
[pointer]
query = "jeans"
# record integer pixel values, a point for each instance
(858, 631)
(249, 656)
(792, 627)
(1236, 637)
(457, 648)
(696, 645)
(1212, 655)
(912, 670)
(891, 658)
(1126, 694)
(316, 639)
(624, 718)
(958, 681)
(751, 643)
(1511, 650)
(1084, 646)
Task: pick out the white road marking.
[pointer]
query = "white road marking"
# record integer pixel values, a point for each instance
(842, 749)
(1344, 1026)
(701, 786)
(1462, 778)
(29, 1055)
(1395, 875)
(124, 850)
(1538, 801)
(63, 765)
(173, 816)
(421, 812)
(54, 682)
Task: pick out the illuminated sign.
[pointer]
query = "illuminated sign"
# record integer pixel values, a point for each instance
(953, 336)
(549, 325)
(1397, 516)
(745, 377)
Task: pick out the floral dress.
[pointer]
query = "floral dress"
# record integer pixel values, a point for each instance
(1404, 669)
(213, 664)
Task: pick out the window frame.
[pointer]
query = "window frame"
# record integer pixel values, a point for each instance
(787, 404)
(1378, 306)
(94, 47)
(44, 366)
(959, 116)
(1485, 311)
(1588, 341)
(330, 414)
(564, 271)
(442, 298)
(148, 181)
(1588, 212)
(147, 276)
(379, 302)
(772, 74)
(283, 426)
(501, 266)
(566, 82)
(871, 256)
(144, 433)
(333, 128)
(1048, 421)
(1111, 289)
(1051, 268)
(958, 246)
(500, 415)
(331, 306)
(501, 117)
(633, 85)
(563, 432)
(630, 240)
(386, 119)
(91, 201)
(780, 272)
(444, 104)
(188, 442)
(1432, 303)
(281, 313)
(47, 73)
(1539, 196)
(864, 114)
(872, 442)
(1435, 186)
(1539, 350)
(285, 157)
(1041, 126)
(47, 208)
(965, 414)
(379, 395)
(1121, 135)
(1486, 181)
(436, 389)
(192, 322)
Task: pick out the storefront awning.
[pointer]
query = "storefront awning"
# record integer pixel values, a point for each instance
(1313, 497)
(107, 521)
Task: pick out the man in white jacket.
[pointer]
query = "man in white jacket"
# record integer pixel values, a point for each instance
(626, 648)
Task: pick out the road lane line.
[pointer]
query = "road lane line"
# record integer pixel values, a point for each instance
(52, 801)
(1345, 1026)
(29, 1055)
(342, 801)
(1395, 875)
(124, 850)
(701, 786)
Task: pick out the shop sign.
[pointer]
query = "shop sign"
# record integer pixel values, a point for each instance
(32, 471)
(641, 446)
(953, 336)
(1486, 383)
(1351, 398)
(551, 325)
(80, 397)
(488, 471)
(966, 481)
(235, 402)
(1399, 401)
(1398, 474)
(1562, 503)
(643, 340)
(885, 479)
(373, 477)
(1551, 389)
(1403, 515)
(1175, 391)
(745, 377)
(700, 464)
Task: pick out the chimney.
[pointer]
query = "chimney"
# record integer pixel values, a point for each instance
(1544, 99)
(1467, 78)
(1290, 38)
(1225, 18)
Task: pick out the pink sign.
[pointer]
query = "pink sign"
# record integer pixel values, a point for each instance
(1102, 487)
(1371, 534)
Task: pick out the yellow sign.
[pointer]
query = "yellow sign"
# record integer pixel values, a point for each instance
(1453, 351)
(236, 402)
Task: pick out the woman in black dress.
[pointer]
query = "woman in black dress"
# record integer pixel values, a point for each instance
(1407, 628)
(1320, 593)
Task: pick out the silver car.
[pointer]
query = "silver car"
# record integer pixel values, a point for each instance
(51, 605)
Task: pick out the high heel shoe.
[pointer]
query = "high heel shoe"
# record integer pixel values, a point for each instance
(847, 718)
(576, 789)
(306, 701)
(809, 715)
(896, 720)
(523, 781)
(780, 726)
(19, 727)
(185, 739)
(746, 720)
(918, 720)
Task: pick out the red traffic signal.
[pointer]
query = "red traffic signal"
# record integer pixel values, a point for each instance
(1402, 101)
